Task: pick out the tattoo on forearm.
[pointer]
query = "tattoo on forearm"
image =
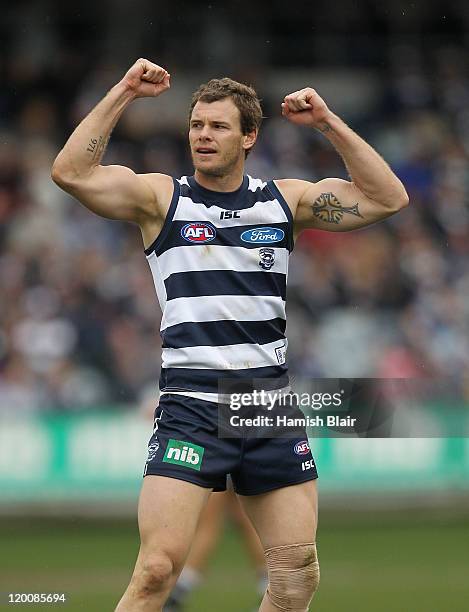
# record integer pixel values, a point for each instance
(325, 127)
(92, 145)
(96, 147)
(328, 208)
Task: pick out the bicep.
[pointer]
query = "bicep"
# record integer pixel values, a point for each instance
(336, 205)
(114, 192)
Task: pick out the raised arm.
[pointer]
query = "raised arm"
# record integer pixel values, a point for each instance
(374, 191)
(115, 192)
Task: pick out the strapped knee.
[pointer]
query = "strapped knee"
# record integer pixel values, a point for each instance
(293, 576)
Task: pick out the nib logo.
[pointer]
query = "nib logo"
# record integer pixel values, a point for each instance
(184, 453)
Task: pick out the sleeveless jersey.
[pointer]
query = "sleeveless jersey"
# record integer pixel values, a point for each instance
(220, 267)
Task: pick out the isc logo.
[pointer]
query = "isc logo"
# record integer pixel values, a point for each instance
(198, 232)
(302, 448)
(307, 465)
(230, 214)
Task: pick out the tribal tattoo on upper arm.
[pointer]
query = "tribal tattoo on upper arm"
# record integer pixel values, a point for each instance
(328, 208)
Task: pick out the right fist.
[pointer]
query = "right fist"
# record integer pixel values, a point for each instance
(146, 79)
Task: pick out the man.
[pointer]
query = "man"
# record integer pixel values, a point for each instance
(217, 244)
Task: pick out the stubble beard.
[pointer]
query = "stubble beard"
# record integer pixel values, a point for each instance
(224, 168)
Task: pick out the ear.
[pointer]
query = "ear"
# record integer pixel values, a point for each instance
(249, 140)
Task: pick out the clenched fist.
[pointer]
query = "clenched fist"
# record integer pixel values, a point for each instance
(306, 107)
(146, 79)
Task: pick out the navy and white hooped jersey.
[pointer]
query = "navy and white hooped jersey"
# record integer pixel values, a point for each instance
(220, 267)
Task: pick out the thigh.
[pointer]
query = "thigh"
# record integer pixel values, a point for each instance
(284, 516)
(168, 513)
(185, 443)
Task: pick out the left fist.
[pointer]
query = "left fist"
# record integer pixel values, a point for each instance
(306, 107)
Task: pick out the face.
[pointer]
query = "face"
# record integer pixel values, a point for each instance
(217, 143)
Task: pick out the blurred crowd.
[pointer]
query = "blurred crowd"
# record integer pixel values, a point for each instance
(79, 317)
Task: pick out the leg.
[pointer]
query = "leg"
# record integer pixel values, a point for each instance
(285, 520)
(208, 532)
(249, 533)
(251, 539)
(168, 513)
(205, 540)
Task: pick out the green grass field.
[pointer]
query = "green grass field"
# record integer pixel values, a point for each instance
(390, 565)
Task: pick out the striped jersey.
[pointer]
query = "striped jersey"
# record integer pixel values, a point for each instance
(220, 266)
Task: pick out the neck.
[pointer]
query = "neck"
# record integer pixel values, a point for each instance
(229, 182)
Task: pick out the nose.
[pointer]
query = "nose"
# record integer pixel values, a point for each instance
(205, 133)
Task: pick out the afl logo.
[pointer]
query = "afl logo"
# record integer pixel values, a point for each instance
(198, 232)
(264, 235)
(301, 448)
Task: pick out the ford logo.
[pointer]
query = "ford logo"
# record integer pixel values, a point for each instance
(263, 235)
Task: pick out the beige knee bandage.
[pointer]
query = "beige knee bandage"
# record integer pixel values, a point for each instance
(293, 576)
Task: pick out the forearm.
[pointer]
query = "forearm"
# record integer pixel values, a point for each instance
(367, 169)
(85, 148)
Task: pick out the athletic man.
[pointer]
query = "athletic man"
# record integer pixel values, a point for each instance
(218, 244)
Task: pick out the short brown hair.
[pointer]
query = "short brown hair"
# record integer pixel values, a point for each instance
(244, 97)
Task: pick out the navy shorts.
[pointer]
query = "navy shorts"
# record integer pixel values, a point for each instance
(186, 445)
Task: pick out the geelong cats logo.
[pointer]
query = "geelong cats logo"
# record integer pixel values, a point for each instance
(267, 258)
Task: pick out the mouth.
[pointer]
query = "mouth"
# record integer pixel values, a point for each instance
(205, 151)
